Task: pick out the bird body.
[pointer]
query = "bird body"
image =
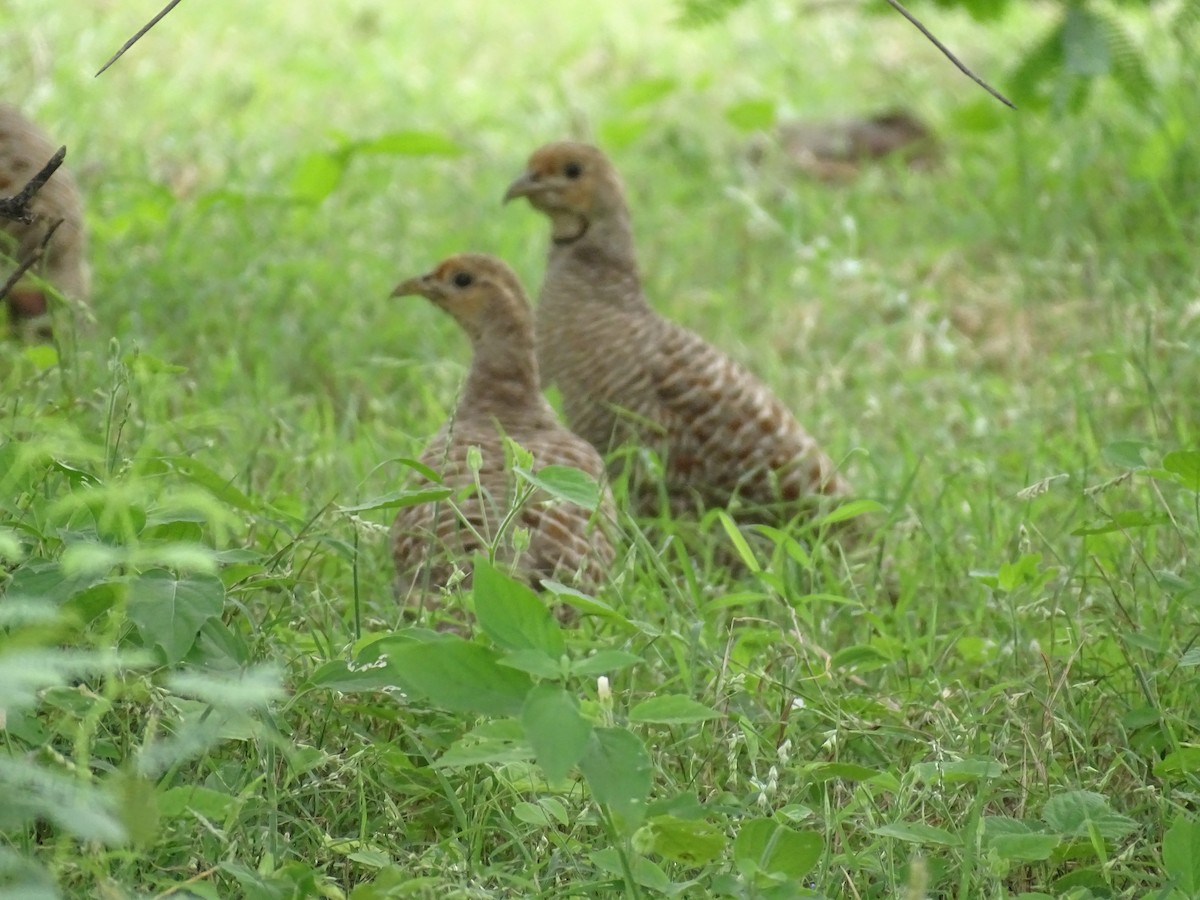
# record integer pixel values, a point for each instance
(501, 399)
(24, 151)
(628, 375)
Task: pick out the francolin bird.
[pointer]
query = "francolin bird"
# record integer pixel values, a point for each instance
(24, 151)
(627, 375)
(501, 398)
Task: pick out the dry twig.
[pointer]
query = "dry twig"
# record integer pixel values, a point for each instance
(133, 40)
(16, 208)
(28, 262)
(899, 7)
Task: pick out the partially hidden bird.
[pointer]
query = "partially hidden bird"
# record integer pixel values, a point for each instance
(500, 399)
(627, 375)
(24, 151)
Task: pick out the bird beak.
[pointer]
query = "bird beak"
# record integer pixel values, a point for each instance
(525, 186)
(421, 286)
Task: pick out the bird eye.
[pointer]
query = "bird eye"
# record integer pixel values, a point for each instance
(463, 279)
(573, 170)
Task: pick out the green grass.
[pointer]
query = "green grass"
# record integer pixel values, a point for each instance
(1016, 712)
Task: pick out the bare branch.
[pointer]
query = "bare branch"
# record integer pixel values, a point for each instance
(950, 56)
(133, 40)
(16, 208)
(29, 261)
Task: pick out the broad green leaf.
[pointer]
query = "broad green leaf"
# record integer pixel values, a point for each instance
(645, 872)
(764, 846)
(860, 657)
(692, 842)
(1024, 847)
(822, 772)
(1190, 658)
(603, 662)
(1072, 813)
(1127, 454)
(751, 115)
(918, 833)
(511, 614)
(1181, 855)
(1182, 762)
(645, 92)
(535, 662)
(462, 677)
(565, 483)
(617, 769)
(409, 143)
(672, 709)
(548, 812)
(316, 176)
(1185, 466)
(1125, 520)
(555, 729)
(217, 485)
(168, 611)
(496, 743)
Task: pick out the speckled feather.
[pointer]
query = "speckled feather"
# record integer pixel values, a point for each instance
(626, 374)
(24, 150)
(501, 398)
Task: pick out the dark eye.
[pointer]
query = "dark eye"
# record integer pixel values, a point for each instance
(573, 170)
(463, 279)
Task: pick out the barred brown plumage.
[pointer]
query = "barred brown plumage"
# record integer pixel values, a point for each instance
(627, 375)
(24, 150)
(501, 398)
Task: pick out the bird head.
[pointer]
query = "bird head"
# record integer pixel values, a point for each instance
(572, 183)
(480, 292)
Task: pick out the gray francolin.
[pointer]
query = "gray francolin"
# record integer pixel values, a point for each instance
(501, 398)
(627, 375)
(24, 150)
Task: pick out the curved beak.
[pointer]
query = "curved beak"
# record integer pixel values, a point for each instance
(421, 286)
(525, 186)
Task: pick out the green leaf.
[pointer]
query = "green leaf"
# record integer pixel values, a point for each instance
(461, 677)
(497, 743)
(316, 176)
(217, 485)
(511, 614)
(822, 772)
(1076, 812)
(401, 498)
(409, 143)
(1085, 45)
(1185, 466)
(672, 709)
(688, 841)
(851, 510)
(645, 872)
(763, 846)
(1182, 762)
(565, 483)
(168, 612)
(617, 769)
(958, 771)
(1127, 454)
(1125, 520)
(603, 662)
(557, 732)
(739, 541)
(751, 115)
(1024, 847)
(918, 833)
(645, 92)
(1181, 855)
(178, 801)
(535, 662)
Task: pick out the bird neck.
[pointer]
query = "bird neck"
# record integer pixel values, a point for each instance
(600, 266)
(503, 377)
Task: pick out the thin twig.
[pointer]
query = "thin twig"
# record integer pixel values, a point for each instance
(896, 5)
(28, 262)
(16, 207)
(133, 40)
